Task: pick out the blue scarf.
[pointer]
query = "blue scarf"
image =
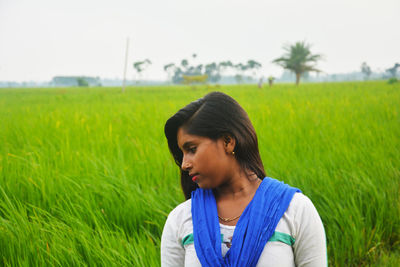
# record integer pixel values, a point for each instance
(255, 227)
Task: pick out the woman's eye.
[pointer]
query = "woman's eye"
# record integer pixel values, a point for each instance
(192, 149)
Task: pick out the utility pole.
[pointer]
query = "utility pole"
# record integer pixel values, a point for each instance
(126, 63)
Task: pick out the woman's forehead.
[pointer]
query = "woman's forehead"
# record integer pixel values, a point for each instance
(184, 138)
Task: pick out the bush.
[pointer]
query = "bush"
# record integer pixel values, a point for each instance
(392, 80)
(82, 82)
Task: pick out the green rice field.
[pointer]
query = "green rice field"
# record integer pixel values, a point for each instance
(86, 178)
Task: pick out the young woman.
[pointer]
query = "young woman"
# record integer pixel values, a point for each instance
(233, 215)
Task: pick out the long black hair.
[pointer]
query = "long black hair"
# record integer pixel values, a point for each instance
(214, 116)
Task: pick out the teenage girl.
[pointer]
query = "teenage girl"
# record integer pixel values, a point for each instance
(233, 214)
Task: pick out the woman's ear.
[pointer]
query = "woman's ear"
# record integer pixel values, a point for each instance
(229, 143)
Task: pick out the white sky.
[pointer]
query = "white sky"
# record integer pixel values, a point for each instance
(40, 39)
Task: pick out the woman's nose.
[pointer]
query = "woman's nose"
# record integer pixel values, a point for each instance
(186, 166)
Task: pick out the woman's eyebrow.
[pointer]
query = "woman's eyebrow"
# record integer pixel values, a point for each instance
(187, 144)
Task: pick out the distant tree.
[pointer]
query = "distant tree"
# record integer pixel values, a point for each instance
(82, 82)
(185, 72)
(190, 68)
(178, 75)
(185, 64)
(177, 72)
(253, 66)
(366, 70)
(212, 70)
(392, 80)
(240, 69)
(298, 59)
(393, 70)
(194, 70)
(197, 70)
(225, 65)
(141, 66)
(170, 69)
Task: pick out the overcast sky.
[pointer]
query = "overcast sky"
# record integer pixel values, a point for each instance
(40, 39)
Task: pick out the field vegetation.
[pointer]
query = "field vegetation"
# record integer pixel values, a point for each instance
(86, 177)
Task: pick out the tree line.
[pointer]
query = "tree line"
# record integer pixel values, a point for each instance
(391, 72)
(297, 58)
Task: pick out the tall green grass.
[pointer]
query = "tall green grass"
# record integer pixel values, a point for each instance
(86, 177)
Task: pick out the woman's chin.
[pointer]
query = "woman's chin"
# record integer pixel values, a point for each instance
(201, 185)
(204, 185)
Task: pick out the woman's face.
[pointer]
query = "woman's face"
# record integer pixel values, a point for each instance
(209, 163)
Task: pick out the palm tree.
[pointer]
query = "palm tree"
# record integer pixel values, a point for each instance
(140, 66)
(298, 58)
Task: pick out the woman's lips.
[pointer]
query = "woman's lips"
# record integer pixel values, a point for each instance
(194, 178)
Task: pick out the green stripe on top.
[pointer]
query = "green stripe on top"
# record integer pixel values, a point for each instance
(276, 237)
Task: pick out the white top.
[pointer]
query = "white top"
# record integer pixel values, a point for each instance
(299, 238)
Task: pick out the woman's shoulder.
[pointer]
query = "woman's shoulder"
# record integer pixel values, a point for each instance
(181, 213)
(300, 206)
(182, 208)
(300, 200)
(299, 209)
(300, 214)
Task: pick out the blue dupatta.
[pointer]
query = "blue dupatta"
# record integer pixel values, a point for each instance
(253, 230)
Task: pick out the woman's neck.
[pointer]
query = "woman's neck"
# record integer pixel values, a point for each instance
(242, 186)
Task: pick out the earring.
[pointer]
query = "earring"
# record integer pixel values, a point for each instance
(233, 153)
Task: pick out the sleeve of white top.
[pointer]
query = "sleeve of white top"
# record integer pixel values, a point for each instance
(172, 252)
(310, 244)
